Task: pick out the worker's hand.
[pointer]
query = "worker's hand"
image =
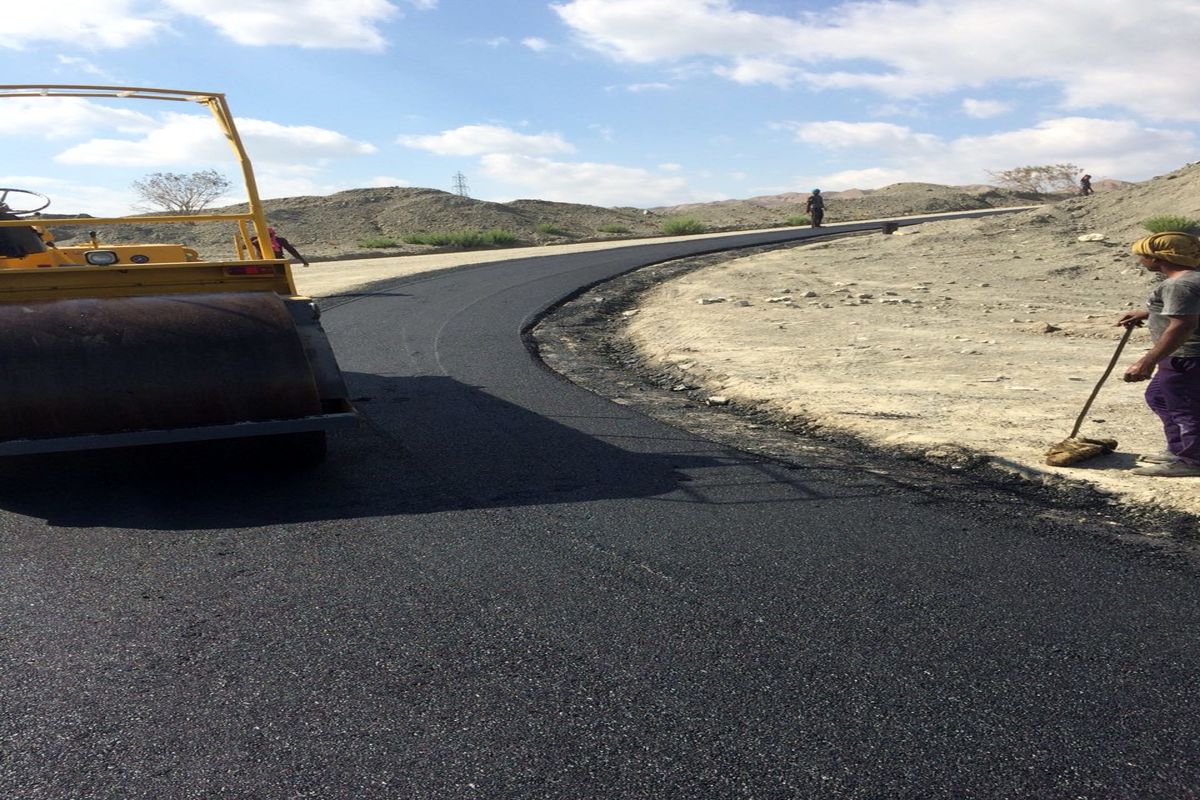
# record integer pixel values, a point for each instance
(1140, 370)
(1133, 319)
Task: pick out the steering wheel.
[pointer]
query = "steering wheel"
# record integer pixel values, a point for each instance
(4, 193)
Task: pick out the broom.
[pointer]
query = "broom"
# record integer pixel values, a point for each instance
(1074, 448)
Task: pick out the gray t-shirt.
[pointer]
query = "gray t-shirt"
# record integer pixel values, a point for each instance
(1178, 296)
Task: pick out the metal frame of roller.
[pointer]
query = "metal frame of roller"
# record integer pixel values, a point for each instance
(120, 345)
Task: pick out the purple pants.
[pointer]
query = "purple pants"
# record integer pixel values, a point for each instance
(1174, 395)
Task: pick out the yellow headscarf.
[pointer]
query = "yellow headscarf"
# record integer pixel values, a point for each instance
(1174, 246)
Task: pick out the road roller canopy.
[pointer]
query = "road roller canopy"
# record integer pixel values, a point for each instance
(34, 267)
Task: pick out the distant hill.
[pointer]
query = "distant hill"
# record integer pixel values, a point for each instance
(1109, 185)
(356, 220)
(895, 200)
(375, 221)
(1119, 210)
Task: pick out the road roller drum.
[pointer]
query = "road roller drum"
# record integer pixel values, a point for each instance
(96, 366)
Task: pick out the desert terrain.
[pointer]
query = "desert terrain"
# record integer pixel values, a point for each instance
(957, 340)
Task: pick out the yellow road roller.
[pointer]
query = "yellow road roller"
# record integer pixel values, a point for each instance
(122, 345)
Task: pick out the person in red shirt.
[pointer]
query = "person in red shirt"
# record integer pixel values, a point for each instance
(278, 245)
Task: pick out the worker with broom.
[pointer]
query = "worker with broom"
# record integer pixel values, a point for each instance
(1172, 364)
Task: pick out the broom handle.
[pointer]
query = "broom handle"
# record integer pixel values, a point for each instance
(1111, 363)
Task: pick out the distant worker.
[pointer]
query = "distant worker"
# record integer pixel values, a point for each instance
(278, 245)
(815, 207)
(1085, 185)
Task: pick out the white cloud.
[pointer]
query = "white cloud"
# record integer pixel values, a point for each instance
(1102, 147)
(759, 70)
(283, 143)
(648, 87)
(985, 109)
(283, 183)
(905, 109)
(836, 135)
(85, 24)
(920, 47)
(350, 24)
(387, 181)
(70, 197)
(535, 43)
(474, 140)
(653, 30)
(84, 66)
(869, 178)
(584, 182)
(189, 139)
(605, 132)
(66, 117)
(110, 24)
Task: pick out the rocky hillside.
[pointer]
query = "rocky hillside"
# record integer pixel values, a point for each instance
(361, 222)
(1118, 213)
(895, 200)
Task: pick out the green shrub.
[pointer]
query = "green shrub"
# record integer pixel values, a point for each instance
(613, 228)
(682, 226)
(550, 229)
(799, 220)
(492, 238)
(379, 241)
(1171, 222)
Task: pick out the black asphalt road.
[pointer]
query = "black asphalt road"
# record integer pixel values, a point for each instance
(502, 586)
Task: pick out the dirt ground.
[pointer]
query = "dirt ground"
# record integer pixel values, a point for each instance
(952, 339)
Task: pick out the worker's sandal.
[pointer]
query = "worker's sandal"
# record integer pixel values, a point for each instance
(1161, 457)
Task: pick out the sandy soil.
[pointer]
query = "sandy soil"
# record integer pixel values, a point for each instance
(957, 340)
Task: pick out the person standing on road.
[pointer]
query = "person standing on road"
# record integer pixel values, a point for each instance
(278, 245)
(1085, 185)
(815, 207)
(1172, 364)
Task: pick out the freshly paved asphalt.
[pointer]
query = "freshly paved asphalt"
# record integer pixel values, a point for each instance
(504, 586)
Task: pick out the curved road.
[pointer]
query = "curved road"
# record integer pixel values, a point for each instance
(503, 586)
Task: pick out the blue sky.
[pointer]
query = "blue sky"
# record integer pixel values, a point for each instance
(611, 102)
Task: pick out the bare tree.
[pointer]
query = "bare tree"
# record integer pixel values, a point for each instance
(1045, 179)
(179, 193)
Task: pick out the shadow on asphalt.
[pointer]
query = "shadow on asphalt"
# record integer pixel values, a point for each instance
(425, 445)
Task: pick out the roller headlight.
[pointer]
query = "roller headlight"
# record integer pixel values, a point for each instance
(100, 258)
